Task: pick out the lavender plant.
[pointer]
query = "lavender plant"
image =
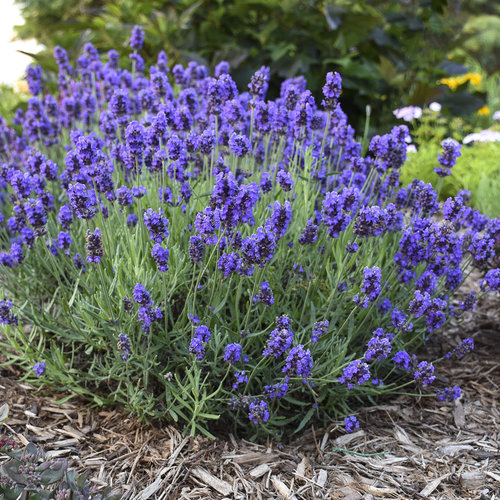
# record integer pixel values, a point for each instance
(198, 253)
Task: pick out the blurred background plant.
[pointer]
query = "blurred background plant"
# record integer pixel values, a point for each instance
(386, 51)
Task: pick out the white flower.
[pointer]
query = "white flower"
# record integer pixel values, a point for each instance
(496, 115)
(435, 106)
(408, 113)
(483, 136)
(411, 148)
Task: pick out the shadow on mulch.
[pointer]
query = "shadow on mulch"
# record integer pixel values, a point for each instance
(407, 449)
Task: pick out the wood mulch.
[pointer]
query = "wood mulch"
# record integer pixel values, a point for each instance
(407, 448)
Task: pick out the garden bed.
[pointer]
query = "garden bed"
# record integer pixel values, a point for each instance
(405, 449)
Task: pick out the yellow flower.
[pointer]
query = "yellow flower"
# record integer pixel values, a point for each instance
(21, 87)
(475, 79)
(484, 111)
(453, 82)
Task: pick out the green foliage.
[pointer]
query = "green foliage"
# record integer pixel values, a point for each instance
(10, 101)
(383, 49)
(477, 169)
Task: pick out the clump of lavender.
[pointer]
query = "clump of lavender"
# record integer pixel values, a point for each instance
(131, 155)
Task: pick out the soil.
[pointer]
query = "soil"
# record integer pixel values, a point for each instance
(407, 448)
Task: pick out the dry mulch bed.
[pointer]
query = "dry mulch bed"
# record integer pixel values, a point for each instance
(407, 449)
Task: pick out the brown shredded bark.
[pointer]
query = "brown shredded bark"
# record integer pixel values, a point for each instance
(406, 448)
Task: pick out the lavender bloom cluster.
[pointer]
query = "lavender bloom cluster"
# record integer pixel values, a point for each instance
(232, 208)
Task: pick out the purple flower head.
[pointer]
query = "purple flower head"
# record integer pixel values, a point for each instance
(34, 79)
(448, 158)
(449, 393)
(491, 280)
(379, 347)
(198, 342)
(137, 38)
(331, 90)
(141, 295)
(157, 224)
(139, 192)
(469, 303)
(207, 223)
(280, 339)
(266, 294)
(6, 316)
(95, 249)
(232, 353)
(135, 138)
(398, 319)
(160, 256)
(371, 282)
(351, 424)
(39, 369)
(309, 233)
(119, 104)
(299, 361)
(78, 262)
(63, 240)
(352, 247)
(460, 351)
(131, 220)
(280, 219)
(319, 329)
(403, 360)
(278, 390)
(123, 345)
(356, 373)
(239, 145)
(424, 373)
(124, 196)
(241, 378)
(258, 248)
(147, 316)
(83, 201)
(258, 412)
(229, 263)
(420, 304)
(284, 179)
(259, 83)
(196, 249)
(333, 217)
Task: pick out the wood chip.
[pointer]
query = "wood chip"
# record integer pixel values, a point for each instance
(260, 470)
(459, 415)
(223, 487)
(473, 480)
(432, 485)
(347, 438)
(282, 489)
(453, 449)
(494, 476)
(322, 477)
(251, 458)
(347, 493)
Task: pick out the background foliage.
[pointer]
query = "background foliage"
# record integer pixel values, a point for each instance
(386, 51)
